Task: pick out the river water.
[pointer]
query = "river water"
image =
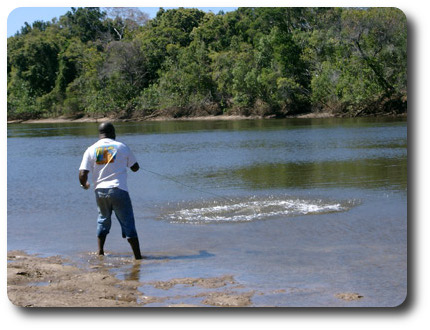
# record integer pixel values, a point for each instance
(296, 210)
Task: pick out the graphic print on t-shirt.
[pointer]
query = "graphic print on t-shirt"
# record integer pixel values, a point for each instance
(105, 155)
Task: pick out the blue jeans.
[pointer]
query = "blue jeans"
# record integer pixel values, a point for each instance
(117, 200)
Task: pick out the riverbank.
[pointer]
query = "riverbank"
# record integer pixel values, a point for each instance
(64, 119)
(85, 119)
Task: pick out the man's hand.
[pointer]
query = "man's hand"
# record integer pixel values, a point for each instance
(83, 179)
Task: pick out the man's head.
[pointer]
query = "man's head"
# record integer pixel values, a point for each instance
(106, 130)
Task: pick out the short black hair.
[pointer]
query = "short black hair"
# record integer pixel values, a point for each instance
(107, 129)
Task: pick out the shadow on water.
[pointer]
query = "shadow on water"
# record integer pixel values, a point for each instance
(133, 274)
(128, 258)
(202, 254)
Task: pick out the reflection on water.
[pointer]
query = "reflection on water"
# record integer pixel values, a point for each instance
(201, 254)
(167, 127)
(362, 173)
(133, 274)
(125, 267)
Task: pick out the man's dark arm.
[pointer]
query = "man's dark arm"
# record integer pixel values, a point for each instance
(83, 178)
(135, 167)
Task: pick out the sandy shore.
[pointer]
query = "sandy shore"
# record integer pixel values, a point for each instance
(60, 120)
(33, 281)
(160, 118)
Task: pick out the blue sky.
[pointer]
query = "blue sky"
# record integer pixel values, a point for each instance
(19, 16)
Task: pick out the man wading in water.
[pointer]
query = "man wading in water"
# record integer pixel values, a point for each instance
(108, 160)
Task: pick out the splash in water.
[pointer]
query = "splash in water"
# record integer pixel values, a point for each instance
(252, 209)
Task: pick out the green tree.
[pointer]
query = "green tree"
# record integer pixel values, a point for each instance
(179, 23)
(34, 59)
(186, 86)
(378, 36)
(360, 64)
(84, 23)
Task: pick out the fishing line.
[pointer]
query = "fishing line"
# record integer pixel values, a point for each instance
(188, 186)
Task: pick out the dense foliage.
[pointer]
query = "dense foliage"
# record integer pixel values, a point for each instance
(185, 62)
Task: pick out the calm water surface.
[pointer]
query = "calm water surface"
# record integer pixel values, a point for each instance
(297, 210)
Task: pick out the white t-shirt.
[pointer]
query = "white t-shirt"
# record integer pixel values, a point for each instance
(108, 160)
